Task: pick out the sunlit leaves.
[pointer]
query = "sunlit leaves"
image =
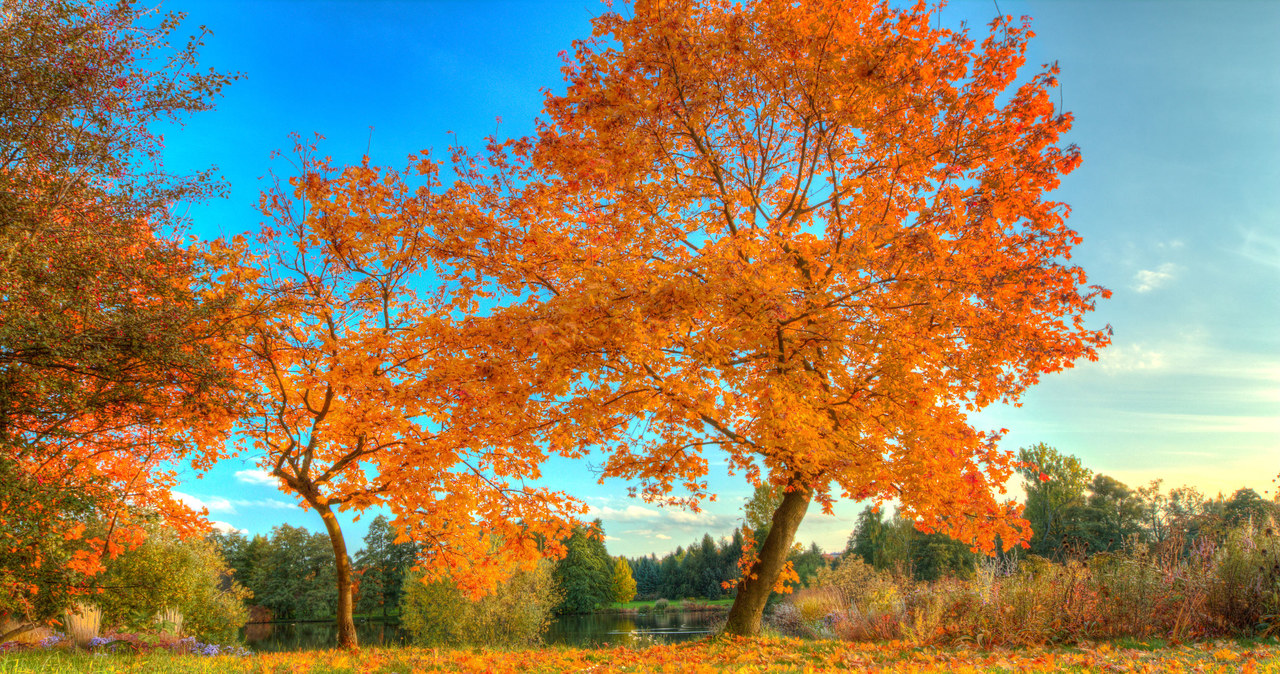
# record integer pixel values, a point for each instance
(812, 235)
(360, 391)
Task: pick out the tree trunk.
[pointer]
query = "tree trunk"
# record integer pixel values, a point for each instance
(15, 631)
(345, 619)
(748, 606)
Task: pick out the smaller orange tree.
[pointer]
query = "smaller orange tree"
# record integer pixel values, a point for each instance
(356, 394)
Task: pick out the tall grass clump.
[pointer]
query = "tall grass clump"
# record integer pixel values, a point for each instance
(1225, 584)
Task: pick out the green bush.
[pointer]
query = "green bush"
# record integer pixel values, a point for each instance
(166, 574)
(516, 613)
(660, 606)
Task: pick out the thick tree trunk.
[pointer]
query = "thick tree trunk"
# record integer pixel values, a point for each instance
(17, 629)
(345, 619)
(748, 606)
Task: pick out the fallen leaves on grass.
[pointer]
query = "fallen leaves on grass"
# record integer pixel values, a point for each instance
(719, 655)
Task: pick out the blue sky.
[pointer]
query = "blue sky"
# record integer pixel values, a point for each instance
(1176, 110)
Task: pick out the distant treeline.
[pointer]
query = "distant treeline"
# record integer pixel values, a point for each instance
(1073, 513)
(291, 572)
(701, 570)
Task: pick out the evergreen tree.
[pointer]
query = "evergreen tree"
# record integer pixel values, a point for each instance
(869, 537)
(585, 574)
(1112, 516)
(382, 566)
(295, 575)
(807, 562)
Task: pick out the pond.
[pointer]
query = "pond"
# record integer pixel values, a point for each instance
(310, 636)
(597, 629)
(616, 629)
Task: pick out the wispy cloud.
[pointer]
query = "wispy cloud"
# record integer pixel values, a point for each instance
(1122, 358)
(218, 504)
(1147, 280)
(1215, 423)
(631, 513)
(662, 537)
(1261, 248)
(262, 503)
(256, 476)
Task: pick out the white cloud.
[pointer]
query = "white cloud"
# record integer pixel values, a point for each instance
(227, 528)
(215, 504)
(1147, 280)
(630, 513)
(256, 476)
(662, 537)
(686, 517)
(262, 503)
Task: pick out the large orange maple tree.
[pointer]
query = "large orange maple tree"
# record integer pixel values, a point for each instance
(812, 237)
(360, 391)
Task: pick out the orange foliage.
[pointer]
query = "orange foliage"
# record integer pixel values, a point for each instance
(107, 382)
(813, 236)
(357, 395)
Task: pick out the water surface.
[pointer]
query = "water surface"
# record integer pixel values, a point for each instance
(616, 629)
(584, 631)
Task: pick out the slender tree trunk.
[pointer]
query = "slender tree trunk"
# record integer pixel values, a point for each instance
(345, 619)
(748, 606)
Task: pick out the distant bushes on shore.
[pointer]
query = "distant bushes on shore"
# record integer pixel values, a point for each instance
(515, 614)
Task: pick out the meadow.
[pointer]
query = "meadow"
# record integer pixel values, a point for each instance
(724, 654)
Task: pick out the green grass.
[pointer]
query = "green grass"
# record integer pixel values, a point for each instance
(674, 606)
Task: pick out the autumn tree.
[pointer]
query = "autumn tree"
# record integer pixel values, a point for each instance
(356, 397)
(624, 585)
(813, 236)
(108, 376)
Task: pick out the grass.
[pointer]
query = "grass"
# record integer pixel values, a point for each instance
(712, 655)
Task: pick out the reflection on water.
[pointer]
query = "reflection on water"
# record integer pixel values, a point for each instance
(319, 635)
(612, 629)
(598, 629)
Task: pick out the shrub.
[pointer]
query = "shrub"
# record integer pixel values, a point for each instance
(183, 582)
(1246, 579)
(516, 613)
(660, 606)
(1222, 585)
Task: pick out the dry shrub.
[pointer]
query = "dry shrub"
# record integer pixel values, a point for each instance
(1225, 585)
